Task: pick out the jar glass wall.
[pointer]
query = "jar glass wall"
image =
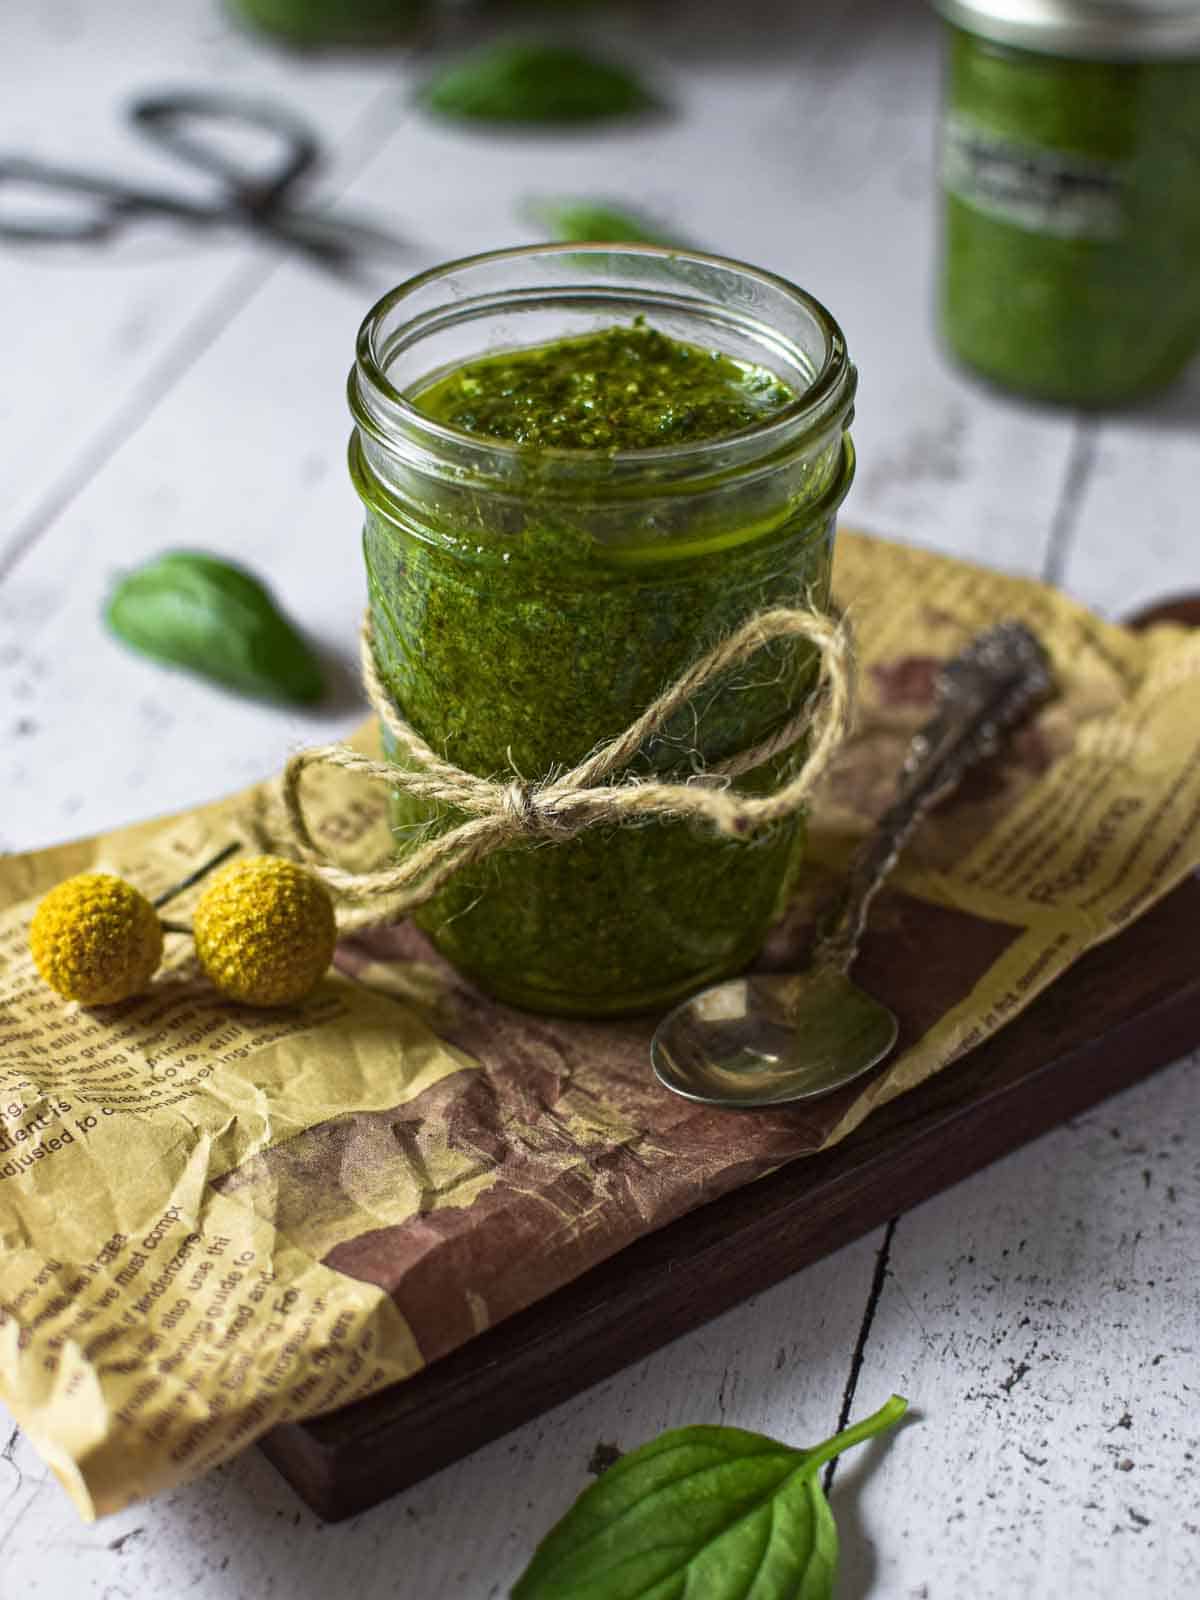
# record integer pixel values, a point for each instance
(1071, 218)
(529, 604)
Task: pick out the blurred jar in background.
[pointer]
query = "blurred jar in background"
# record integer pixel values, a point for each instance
(1070, 262)
(318, 22)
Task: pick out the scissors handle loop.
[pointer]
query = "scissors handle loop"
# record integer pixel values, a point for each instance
(168, 121)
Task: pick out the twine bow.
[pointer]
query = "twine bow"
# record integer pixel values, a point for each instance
(559, 807)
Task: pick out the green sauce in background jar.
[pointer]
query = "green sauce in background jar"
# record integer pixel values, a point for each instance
(1071, 182)
(529, 599)
(321, 22)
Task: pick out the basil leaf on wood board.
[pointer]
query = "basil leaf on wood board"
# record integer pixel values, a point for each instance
(598, 222)
(701, 1511)
(540, 83)
(211, 617)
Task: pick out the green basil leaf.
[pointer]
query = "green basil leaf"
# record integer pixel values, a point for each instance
(701, 1511)
(536, 83)
(211, 617)
(596, 222)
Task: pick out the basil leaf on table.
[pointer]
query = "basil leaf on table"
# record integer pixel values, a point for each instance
(536, 83)
(703, 1511)
(211, 617)
(596, 222)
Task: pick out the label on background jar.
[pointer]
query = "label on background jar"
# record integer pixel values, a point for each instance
(1031, 186)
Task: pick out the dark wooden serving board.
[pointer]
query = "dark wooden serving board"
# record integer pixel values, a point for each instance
(1127, 1008)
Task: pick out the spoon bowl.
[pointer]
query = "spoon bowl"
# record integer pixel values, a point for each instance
(765, 1040)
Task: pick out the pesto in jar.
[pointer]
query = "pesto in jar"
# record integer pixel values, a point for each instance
(514, 638)
(1071, 244)
(620, 389)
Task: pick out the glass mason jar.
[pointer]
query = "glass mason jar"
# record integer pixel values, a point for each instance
(1071, 194)
(529, 604)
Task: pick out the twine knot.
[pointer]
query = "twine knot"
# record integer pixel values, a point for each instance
(522, 808)
(598, 790)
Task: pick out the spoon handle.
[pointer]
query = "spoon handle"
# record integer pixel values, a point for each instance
(980, 694)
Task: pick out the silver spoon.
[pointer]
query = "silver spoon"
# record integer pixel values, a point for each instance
(768, 1039)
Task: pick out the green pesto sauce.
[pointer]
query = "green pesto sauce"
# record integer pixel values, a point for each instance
(621, 389)
(515, 640)
(1072, 220)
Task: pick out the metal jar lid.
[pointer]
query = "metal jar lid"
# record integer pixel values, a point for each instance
(1095, 30)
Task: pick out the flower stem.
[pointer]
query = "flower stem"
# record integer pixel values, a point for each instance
(194, 877)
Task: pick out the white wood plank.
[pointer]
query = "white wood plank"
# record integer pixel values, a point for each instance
(1042, 1318)
(779, 1362)
(101, 734)
(93, 335)
(807, 147)
(1136, 531)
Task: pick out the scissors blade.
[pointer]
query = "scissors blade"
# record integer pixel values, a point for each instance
(337, 241)
(117, 202)
(353, 235)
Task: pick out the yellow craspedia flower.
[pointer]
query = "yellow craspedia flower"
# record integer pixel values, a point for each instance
(265, 931)
(96, 939)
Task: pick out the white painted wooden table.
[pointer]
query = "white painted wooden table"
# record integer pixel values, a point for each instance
(169, 390)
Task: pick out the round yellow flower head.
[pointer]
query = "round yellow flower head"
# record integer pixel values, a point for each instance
(265, 931)
(96, 939)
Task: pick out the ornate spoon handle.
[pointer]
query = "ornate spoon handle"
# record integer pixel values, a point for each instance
(980, 693)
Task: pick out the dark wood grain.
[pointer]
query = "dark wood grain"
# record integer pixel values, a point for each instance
(1129, 1007)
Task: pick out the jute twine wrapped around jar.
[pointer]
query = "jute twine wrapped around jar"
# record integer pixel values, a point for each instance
(599, 790)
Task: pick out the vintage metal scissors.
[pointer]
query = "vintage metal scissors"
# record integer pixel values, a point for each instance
(261, 201)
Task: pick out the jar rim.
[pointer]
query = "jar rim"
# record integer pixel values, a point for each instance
(1086, 30)
(380, 407)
